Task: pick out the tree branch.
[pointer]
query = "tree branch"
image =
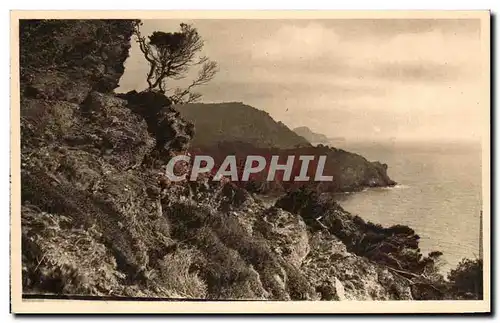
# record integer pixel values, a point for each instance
(170, 56)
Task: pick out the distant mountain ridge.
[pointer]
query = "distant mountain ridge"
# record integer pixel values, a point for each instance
(235, 121)
(311, 136)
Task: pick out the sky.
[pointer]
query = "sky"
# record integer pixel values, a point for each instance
(360, 79)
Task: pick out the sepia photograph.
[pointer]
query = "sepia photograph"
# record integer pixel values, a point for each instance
(250, 162)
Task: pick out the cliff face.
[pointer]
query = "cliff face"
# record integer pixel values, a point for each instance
(96, 220)
(64, 60)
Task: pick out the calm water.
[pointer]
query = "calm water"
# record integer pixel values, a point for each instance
(439, 195)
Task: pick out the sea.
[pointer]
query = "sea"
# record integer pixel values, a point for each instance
(438, 194)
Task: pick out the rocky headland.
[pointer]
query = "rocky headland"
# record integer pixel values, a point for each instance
(98, 220)
(311, 136)
(237, 129)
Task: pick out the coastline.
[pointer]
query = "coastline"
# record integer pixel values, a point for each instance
(98, 219)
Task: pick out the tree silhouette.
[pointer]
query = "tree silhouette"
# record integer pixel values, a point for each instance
(170, 57)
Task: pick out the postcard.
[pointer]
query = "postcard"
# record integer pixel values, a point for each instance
(250, 162)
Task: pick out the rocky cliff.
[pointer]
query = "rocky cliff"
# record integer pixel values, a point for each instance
(97, 219)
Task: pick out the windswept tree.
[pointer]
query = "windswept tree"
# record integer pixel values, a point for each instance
(170, 57)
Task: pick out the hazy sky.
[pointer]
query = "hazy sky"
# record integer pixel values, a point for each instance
(408, 79)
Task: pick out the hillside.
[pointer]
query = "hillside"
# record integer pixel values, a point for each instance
(235, 121)
(237, 129)
(98, 218)
(350, 172)
(312, 137)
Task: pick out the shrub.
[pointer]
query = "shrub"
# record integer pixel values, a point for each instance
(223, 269)
(178, 274)
(467, 279)
(60, 259)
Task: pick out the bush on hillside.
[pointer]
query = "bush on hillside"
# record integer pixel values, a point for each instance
(467, 279)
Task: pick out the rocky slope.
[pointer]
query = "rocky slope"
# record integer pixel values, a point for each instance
(97, 219)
